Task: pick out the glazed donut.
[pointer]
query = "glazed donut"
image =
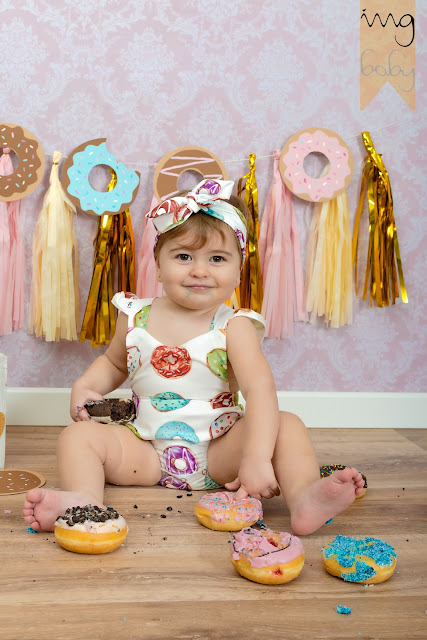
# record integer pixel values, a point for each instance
(75, 179)
(364, 560)
(31, 162)
(327, 469)
(171, 362)
(180, 460)
(168, 401)
(174, 163)
(322, 141)
(90, 529)
(217, 363)
(221, 512)
(267, 557)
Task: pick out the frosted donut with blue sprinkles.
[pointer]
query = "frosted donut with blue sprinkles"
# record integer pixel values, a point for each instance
(365, 560)
(75, 180)
(175, 429)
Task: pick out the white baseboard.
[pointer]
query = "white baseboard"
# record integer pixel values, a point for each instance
(47, 406)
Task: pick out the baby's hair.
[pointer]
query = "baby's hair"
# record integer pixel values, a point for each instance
(202, 225)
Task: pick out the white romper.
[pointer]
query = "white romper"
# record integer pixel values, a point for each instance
(181, 394)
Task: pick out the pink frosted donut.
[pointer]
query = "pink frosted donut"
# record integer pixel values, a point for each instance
(267, 557)
(339, 157)
(222, 512)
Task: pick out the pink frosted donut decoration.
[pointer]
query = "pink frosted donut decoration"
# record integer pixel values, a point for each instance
(222, 512)
(330, 145)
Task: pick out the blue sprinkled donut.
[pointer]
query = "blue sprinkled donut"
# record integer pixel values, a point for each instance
(364, 560)
(75, 180)
(175, 429)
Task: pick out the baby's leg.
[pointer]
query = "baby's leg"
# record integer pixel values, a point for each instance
(88, 455)
(311, 500)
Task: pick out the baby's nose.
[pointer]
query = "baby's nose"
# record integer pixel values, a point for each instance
(199, 268)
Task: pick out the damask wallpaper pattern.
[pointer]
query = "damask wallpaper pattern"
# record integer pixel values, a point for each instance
(235, 77)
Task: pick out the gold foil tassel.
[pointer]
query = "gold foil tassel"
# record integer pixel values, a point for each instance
(114, 243)
(384, 270)
(249, 294)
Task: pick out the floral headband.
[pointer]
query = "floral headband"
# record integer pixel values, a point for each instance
(208, 197)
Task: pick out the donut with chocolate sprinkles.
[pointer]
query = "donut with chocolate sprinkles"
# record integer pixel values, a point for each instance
(90, 529)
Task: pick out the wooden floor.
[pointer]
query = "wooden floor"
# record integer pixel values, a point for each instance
(173, 579)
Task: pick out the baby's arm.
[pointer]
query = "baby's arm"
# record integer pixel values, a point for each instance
(255, 380)
(105, 374)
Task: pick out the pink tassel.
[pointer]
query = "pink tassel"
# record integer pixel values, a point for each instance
(280, 259)
(147, 285)
(12, 258)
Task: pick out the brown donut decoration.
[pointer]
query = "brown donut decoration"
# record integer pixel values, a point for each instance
(30, 170)
(75, 180)
(174, 163)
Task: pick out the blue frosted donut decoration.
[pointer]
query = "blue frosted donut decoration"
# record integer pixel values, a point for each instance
(75, 180)
(168, 401)
(175, 429)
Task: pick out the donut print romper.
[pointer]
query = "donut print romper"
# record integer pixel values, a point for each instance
(181, 394)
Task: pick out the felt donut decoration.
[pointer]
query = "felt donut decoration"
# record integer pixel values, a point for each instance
(174, 163)
(75, 180)
(339, 156)
(30, 170)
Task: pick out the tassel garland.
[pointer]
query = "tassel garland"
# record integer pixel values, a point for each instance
(12, 257)
(381, 275)
(328, 276)
(147, 283)
(114, 243)
(280, 260)
(249, 294)
(54, 300)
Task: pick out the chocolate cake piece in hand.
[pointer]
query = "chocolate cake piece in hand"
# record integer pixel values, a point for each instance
(111, 410)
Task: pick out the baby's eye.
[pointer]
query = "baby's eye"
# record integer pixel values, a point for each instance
(217, 259)
(184, 257)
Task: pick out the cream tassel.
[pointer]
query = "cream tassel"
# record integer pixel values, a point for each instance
(54, 305)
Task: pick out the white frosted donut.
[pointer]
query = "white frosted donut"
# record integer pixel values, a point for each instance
(90, 529)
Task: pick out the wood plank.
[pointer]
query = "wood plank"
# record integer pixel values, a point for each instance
(173, 578)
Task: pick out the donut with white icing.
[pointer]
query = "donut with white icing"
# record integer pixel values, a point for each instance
(173, 164)
(267, 557)
(90, 529)
(29, 172)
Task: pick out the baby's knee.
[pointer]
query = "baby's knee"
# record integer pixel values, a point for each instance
(289, 421)
(76, 432)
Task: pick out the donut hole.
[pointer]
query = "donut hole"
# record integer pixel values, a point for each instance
(316, 164)
(188, 180)
(15, 161)
(100, 177)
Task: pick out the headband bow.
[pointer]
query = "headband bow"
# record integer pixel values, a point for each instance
(208, 197)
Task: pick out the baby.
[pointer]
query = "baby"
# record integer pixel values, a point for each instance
(187, 354)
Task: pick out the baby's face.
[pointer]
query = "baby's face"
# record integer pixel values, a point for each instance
(200, 278)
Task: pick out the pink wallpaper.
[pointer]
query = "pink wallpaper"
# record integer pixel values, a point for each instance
(236, 78)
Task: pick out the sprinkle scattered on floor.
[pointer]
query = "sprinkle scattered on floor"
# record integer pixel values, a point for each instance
(345, 610)
(31, 530)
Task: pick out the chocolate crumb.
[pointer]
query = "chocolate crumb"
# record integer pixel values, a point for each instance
(179, 496)
(163, 515)
(189, 494)
(169, 509)
(164, 538)
(135, 506)
(134, 470)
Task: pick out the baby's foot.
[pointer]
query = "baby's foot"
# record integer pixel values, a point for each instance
(324, 499)
(42, 506)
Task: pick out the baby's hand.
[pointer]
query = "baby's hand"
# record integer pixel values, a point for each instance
(256, 478)
(79, 397)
